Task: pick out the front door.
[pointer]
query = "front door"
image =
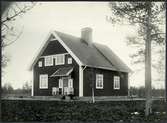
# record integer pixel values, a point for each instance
(64, 84)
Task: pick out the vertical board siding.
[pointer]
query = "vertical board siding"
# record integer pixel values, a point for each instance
(108, 81)
(54, 47)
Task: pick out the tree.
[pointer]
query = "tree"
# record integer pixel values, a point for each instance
(9, 34)
(9, 12)
(147, 16)
(26, 88)
(7, 88)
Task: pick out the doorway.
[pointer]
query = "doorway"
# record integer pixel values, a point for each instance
(65, 85)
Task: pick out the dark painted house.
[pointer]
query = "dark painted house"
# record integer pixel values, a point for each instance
(72, 65)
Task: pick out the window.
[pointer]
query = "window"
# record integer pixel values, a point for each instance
(116, 82)
(59, 59)
(60, 83)
(43, 81)
(70, 83)
(69, 60)
(99, 81)
(48, 61)
(40, 64)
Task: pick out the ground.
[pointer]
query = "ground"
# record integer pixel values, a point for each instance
(82, 111)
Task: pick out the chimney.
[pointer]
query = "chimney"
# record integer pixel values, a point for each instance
(86, 35)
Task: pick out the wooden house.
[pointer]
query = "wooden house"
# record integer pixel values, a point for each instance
(76, 65)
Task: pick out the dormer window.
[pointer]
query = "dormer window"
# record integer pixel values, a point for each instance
(48, 61)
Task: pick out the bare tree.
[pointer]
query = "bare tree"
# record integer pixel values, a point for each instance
(9, 34)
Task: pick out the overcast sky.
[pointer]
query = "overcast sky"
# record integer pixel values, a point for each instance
(67, 17)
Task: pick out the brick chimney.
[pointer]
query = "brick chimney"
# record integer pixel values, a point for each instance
(86, 35)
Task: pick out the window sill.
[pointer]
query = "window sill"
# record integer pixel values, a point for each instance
(43, 88)
(116, 88)
(98, 88)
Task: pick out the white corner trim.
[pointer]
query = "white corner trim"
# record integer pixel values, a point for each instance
(67, 48)
(32, 84)
(80, 81)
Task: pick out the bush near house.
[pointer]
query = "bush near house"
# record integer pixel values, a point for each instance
(127, 111)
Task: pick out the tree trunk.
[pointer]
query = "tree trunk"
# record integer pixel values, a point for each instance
(93, 96)
(93, 84)
(148, 87)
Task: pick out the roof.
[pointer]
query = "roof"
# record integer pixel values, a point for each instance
(98, 55)
(111, 56)
(65, 71)
(88, 55)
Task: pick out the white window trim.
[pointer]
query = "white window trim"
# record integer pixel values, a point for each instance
(40, 81)
(39, 63)
(69, 60)
(70, 83)
(46, 63)
(100, 75)
(117, 79)
(58, 55)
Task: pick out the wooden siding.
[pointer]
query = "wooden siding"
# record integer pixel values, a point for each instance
(54, 47)
(90, 73)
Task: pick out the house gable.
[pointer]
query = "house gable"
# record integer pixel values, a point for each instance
(54, 47)
(51, 38)
(49, 70)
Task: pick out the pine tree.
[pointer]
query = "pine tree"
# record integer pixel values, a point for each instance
(147, 16)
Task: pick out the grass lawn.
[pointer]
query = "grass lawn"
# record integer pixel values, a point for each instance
(81, 112)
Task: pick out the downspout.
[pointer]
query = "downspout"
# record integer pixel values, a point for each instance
(93, 95)
(32, 84)
(93, 99)
(83, 73)
(81, 80)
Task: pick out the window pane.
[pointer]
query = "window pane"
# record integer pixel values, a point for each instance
(116, 82)
(99, 81)
(69, 60)
(43, 81)
(48, 60)
(71, 83)
(59, 59)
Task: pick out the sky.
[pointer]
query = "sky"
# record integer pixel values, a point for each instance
(67, 17)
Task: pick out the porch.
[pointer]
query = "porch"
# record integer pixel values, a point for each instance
(65, 82)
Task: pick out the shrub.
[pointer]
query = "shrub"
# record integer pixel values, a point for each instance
(22, 110)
